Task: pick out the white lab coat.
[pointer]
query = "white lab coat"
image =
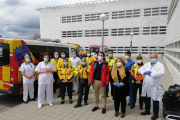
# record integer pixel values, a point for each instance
(45, 81)
(28, 84)
(151, 82)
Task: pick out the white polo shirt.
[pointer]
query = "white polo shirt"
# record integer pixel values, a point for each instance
(75, 62)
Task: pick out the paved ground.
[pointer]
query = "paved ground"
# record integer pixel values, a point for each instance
(8, 110)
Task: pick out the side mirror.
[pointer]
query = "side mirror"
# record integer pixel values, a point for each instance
(160, 87)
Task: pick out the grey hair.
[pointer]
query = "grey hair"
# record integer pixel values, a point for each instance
(56, 52)
(154, 53)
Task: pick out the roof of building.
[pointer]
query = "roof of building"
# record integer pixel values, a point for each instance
(75, 5)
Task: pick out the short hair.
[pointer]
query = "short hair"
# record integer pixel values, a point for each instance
(73, 51)
(128, 52)
(56, 52)
(101, 53)
(154, 53)
(47, 55)
(110, 50)
(139, 57)
(63, 52)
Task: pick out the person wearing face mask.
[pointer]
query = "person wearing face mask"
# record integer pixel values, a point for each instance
(90, 59)
(99, 78)
(111, 62)
(65, 74)
(28, 70)
(45, 69)
(137, 80)
(83, 71)
(54, 61)
(129, 63)
(75, 61)
(119, 77)
(153, 72)
(60, 64)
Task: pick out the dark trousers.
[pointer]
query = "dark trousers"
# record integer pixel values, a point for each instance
(130, 89)
(135, 87)
(55, 75)
(81, 89)
(120, 99)
(112, 90)
(63, 89)
(147, 101)
(107, 91)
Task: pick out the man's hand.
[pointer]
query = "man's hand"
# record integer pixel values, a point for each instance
(129, 70)
(138, 82)
(148, 72)
(110, 65)
(79, 73)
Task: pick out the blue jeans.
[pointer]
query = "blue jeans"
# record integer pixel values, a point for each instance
(130, 89)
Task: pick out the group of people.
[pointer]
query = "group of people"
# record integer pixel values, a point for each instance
(124, 76)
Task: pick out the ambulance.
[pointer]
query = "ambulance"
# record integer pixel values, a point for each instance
(97, 48)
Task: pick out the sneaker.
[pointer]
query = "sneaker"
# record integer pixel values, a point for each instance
(95, 108)
(103, 110)
(154, 117)
(39, 106)
(144, 113)
(141, 107)
(25, 102)
(62, 101)
(132, 106)
(59, 96)
(33, 99)
(50, 104)
(70, 101)
(130, 103)
(77, 105)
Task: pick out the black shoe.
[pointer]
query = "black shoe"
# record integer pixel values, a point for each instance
(59, 96)
(95, 108)
(85, 102)
(103, 110)
(70, 101)
(72, 90)
(107, 95)
(33, 99)
(144, 113)
(25, 102)
(154, 117)
(132, 106)
(83, 93)
(141, 107)
(77, 105)
(62, 101)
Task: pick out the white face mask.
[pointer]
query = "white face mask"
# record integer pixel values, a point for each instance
(27, 60)
(127, 57)
(100, 58)
(118, 64)
(88, 54)
(139, 61)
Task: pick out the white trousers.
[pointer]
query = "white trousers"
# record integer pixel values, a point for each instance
(75, 82)
(28, 88)
(42, 88)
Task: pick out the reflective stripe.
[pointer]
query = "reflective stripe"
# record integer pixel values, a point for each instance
(135, 69)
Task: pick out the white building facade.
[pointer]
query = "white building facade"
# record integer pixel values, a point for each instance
(172, 50)
(79, 23)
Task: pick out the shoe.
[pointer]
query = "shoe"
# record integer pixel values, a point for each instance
(116, 114)
(59, 96)
(50, 104)
(144, 113)
(132, 106)
(95, 108)
(122, 115)
(141, 107)
(39, 106)
(33, 99)
(107, 95)
(85, 102)
(62, 101)
(77, 105)
(70, 101)
(130, 103)
(25, 102)
(154, 117)
(103, 110)
(72, 90)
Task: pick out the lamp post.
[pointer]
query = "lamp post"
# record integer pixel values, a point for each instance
(103, 17)
(131, 41)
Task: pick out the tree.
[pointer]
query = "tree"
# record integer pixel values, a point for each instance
(37, 36)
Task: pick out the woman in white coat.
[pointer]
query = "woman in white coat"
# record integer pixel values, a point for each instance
(153, 72)
(45, 70)
(27, 71)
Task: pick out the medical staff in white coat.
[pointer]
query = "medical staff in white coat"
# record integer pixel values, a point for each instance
(75, 62)
(28, 70)
(153, 72)
(45, 70)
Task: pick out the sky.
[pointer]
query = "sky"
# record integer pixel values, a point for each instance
(19, 18)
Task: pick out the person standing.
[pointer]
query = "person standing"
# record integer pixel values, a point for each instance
(111, 62)
(99, 77)
(75, 61)
(60, 64)
(45, 70)
(66, 73)
(137, 80)
(119, 77)
(129, 63)
(54, 61)
(153, 72)
(90, 59)
(28, 70)
(83, 71)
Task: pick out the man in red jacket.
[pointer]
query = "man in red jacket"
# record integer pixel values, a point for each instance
(99, 78)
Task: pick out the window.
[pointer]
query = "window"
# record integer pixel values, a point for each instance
(59, 50)
(4, 54)
(94, 50)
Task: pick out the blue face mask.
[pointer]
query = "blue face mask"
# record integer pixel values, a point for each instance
(56, 56)
(45, 59)
(63, 56)
(83, 63)
(65, 63)
(110, 55)
(74, 55)
(153, 60)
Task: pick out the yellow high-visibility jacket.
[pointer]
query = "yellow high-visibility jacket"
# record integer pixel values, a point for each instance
(111, 61)
(61, 62)
(90, 59)
(54, 62)
(65, 73)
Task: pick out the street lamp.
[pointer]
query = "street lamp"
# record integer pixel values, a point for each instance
(131, 40)
(103, 17)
